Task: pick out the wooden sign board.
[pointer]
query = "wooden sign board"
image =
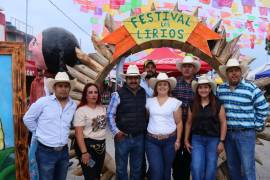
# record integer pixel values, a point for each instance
(13, 133)
(162, 29)
(159, 25)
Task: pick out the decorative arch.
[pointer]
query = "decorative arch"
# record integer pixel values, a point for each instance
(153, 29)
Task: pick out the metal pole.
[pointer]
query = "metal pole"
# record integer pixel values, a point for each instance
(26, 24)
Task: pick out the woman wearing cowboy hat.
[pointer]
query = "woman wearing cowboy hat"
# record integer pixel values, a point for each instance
(207, 123)
(162, 141)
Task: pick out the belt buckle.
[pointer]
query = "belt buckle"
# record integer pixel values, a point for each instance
(161, 137)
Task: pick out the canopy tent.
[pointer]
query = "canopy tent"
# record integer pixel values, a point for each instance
(165, 59)
(252, 75)
(30, 68)
(263, 74)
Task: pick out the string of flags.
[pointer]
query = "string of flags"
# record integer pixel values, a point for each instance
(247, 17)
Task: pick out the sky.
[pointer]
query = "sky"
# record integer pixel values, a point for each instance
(42, 15)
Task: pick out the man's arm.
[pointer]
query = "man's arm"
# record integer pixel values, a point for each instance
(111, 113)
(31, 116)
(261, 108)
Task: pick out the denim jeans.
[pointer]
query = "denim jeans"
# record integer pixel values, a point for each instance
(132, 148)
(52, 165)
(204, 157)
(96, 148)
(160, 154)
(240, 150)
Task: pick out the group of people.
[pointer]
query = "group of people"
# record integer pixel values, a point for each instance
(173, 126)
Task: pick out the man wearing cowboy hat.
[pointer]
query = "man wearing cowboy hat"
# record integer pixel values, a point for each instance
(149, 72)
(188, 67)
(246, 111)
(49, 118)
(128, 121)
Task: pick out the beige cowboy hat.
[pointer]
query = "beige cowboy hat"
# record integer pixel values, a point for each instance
(231, 63)
(60, 77)
(204, 79)
(162, 77)
(189, 60)
(132, 70)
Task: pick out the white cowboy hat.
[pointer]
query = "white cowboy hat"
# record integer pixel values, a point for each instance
(231, 63)
(162, 77)
(60, 77)
(189, 60)
(132, 70)
(204, 79)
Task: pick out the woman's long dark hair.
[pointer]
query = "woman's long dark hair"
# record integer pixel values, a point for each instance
(84, 94)
(196, 105)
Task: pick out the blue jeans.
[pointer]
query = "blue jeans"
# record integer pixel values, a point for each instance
(204, 157)
(240, 150)
(132, 148)
(160, 155)
(52, 165)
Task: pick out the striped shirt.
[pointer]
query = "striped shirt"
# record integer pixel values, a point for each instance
(184, 93)
(245, 106)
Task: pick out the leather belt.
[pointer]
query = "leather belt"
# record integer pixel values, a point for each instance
(60, 148)
(132, 135)
(161, 136)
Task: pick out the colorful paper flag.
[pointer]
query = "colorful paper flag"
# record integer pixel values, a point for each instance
(169, 5)
(265, 3)
(106, 8)
(227, 22)
(215, 4)
(114, 4)
(84, 9)
(225, 3)
(135, 3)
(249, 26)
(248, 2)
(205, 1)
(137, 10)
(98, 11)
(94, 20)
(224, 14)
(263, 11)
(234, 7)
(247, 9)
(82, 2)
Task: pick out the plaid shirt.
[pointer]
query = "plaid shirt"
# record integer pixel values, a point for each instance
(184, 93)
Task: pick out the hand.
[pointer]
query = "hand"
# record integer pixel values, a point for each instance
(177, 145)
(188, 146)
(85, 158)
(119, 136)
(220, 147)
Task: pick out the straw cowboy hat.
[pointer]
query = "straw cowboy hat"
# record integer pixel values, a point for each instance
(204, 79)
(132, 70)
(162, 77)
(60, 77)
(189, 60)
(231, 63)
